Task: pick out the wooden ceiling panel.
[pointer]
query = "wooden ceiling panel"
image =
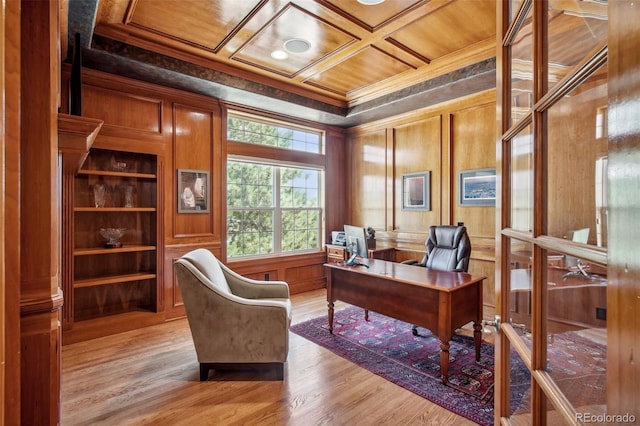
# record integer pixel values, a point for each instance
(357, 52)
(293, 23)
(196, 22)
(371, 17)
(367, 67)
(449, 29)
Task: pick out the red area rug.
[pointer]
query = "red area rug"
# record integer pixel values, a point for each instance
(387, 347)
(578, 366)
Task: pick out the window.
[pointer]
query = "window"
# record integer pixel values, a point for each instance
(278, 135)
(273, 206)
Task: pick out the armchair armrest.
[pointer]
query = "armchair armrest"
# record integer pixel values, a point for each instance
(254, 289)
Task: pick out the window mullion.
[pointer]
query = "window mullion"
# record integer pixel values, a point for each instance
(277, 212)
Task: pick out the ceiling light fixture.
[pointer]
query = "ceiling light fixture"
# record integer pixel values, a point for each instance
(297, 45)
(370, 2)
(280, 55)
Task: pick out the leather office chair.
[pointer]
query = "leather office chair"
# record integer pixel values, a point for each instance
(448, 249)
(235, 322)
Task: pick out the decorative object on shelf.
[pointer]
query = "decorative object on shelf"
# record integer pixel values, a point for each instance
(416, 192)
(193, 192)
(371, 238)
(128, 191)
(478, 187)
(99, 194)
(112, 235)
(118, 165)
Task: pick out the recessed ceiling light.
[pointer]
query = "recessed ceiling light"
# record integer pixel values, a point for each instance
(279, 55)
(297, 45)
(370, 2)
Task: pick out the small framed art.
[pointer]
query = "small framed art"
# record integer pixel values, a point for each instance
(193, 191)
(416, 191)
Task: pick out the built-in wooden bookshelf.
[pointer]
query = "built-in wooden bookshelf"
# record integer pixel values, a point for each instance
(112, 189)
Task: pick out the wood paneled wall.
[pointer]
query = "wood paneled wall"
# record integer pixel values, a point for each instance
(417, 147)
(363, 174)
(444, 140)
(193, 149)
(187, 131)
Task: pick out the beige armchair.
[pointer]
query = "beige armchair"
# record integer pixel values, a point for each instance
(235, 322)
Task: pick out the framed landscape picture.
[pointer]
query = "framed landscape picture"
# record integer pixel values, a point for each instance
(193, 191)
(478, 187)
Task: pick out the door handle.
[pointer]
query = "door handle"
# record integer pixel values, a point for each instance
(495, 324)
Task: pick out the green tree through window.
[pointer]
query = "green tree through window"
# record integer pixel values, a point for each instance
(272, 208)
(272, 134)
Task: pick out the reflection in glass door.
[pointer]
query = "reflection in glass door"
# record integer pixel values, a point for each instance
(552, 264)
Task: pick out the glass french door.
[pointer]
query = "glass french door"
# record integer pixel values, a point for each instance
(551, 260)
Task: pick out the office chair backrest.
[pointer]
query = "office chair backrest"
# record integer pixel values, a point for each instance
(448, 248)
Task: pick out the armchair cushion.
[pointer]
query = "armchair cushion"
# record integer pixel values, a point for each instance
(207, 265)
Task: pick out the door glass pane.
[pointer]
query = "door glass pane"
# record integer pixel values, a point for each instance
(514, 7)
(575, 29)
(522, 181)
(520, 285)
(522, 72)
(520, 391)
(577, 332)
(577, 163)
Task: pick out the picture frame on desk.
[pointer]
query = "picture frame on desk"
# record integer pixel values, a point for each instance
(477, 187)
(416, 191)
(193, 191)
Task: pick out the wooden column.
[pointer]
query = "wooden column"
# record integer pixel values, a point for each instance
(9, 211)
(40, 295)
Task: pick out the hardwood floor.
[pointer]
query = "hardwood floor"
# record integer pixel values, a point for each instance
(151, 376)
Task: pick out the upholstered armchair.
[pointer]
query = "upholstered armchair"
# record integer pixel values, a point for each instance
(448, 249)
(235, 322)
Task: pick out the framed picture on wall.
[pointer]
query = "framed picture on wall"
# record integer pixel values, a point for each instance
(193, 191)
(416, 191)
(478, 187)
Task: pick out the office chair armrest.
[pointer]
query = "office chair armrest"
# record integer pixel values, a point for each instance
(412, 262)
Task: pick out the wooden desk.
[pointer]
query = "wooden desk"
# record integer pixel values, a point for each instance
(437, 300)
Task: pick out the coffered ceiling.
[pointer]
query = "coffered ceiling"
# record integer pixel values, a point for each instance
(335, 61)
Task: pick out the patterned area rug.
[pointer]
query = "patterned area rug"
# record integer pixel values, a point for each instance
(578, 366)
(387, 347)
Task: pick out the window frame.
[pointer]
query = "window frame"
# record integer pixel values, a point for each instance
(279, 158)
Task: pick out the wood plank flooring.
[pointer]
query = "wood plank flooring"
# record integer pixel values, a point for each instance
(150, 376)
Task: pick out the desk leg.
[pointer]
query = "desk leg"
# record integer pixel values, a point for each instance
(366, 315)
(444, 361)
(477, 337)
(330, 306)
